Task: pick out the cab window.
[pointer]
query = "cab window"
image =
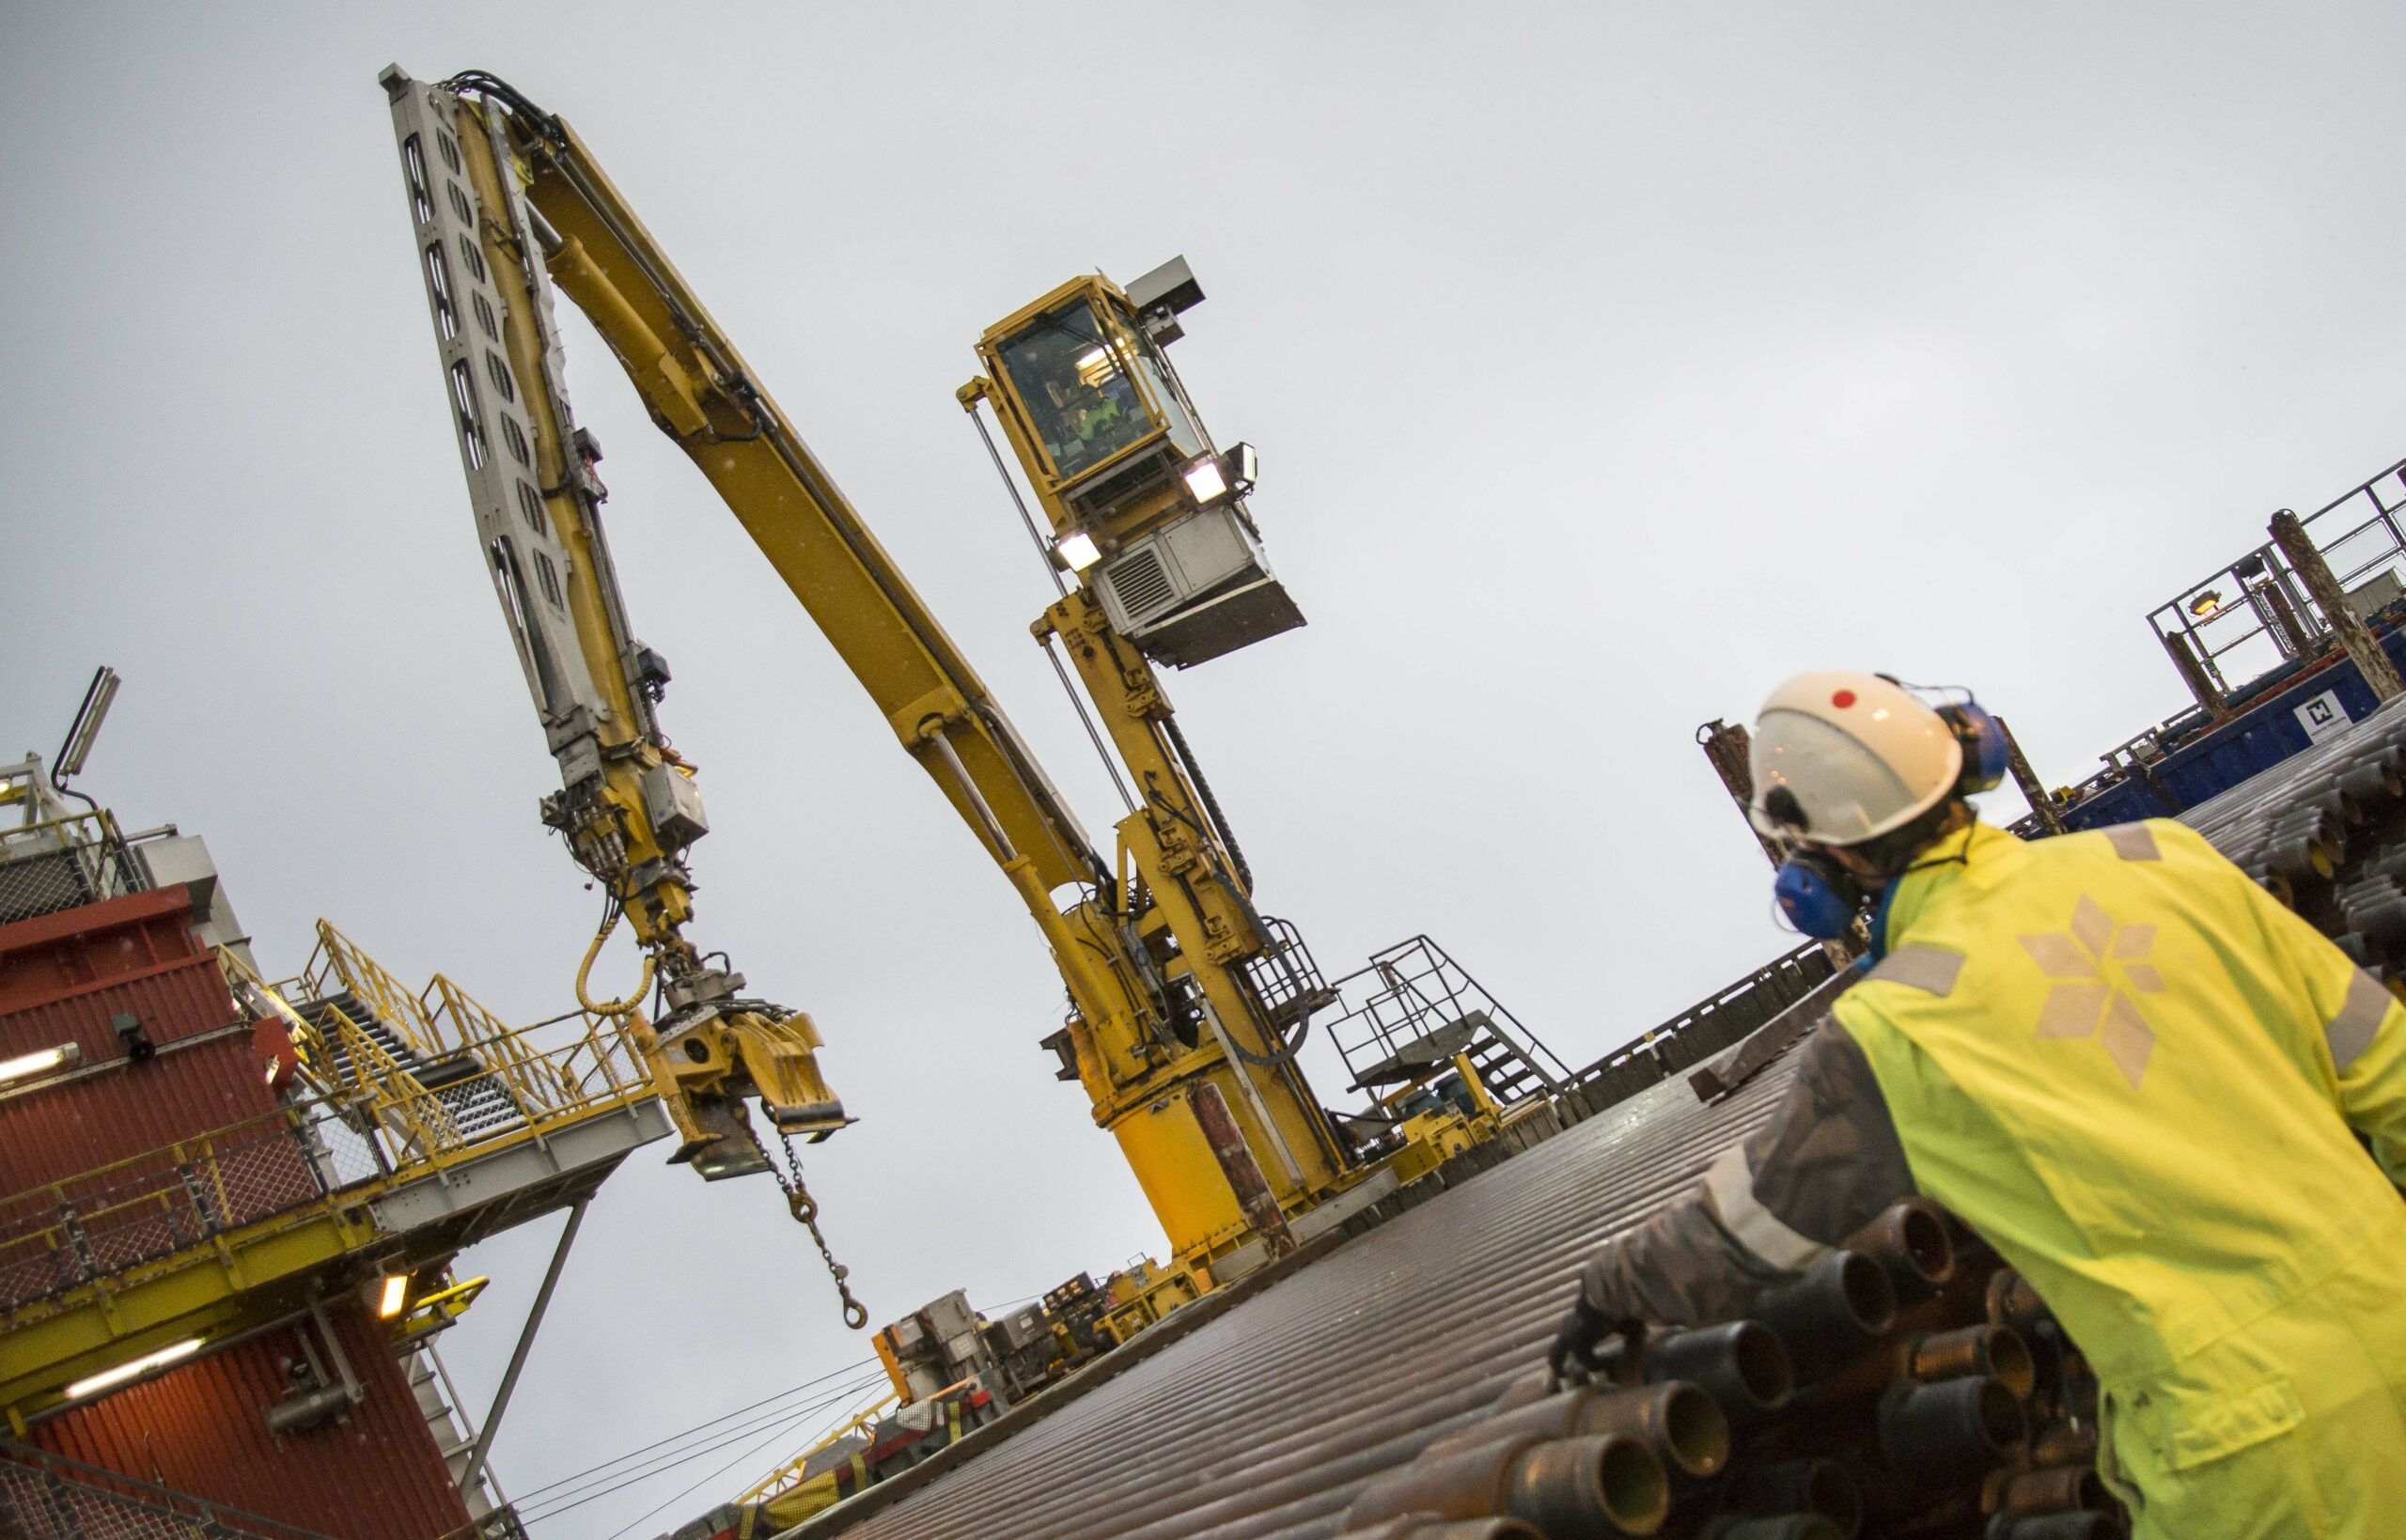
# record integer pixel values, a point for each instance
(1077, 388)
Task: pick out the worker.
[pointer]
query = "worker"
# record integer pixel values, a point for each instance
(2126, 1067)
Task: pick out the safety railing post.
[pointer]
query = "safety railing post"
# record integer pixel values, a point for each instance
(2380, 674)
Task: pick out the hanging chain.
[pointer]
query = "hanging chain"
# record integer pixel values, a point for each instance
(805, 1209)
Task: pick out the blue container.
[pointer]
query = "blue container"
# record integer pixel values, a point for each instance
(2266, 730)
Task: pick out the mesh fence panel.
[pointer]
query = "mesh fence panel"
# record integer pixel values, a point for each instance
(40, 875)
(44, 1497)
(58, 1236)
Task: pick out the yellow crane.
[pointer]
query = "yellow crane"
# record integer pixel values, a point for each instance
(1186, 1003)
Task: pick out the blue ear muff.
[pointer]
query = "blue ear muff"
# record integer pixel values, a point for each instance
(1983, 741)
(1816, 895)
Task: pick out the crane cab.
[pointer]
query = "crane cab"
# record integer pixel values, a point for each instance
(1145, 508)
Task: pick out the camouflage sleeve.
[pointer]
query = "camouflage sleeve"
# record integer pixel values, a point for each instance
(1824, 1166)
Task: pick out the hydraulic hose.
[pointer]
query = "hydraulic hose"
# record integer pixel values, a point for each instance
(584, 971)
(1211, 804)
(1296, 980)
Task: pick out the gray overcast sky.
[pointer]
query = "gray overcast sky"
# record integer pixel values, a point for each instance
(1606, 364)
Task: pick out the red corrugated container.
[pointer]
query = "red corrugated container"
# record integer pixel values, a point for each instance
(375, 1475)
(53, 1130)
(80, 1132)
(64, 977)
(53, 952)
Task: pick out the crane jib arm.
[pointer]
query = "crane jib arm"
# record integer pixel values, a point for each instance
(703, 395)
(628, 806)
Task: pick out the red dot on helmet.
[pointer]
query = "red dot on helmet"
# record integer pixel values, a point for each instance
(1843, 699)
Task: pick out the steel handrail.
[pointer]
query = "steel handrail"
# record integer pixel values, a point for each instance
(787, 1474)
(419, 1134)
(546, 1086)
(2174, 618)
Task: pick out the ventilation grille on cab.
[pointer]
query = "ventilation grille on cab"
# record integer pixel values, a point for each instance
(1141, 583)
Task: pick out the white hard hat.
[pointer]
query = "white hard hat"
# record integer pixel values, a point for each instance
(1858, 755)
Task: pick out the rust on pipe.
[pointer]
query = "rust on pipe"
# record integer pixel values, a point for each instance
(1997, 1351)
(1555, 1417)
(1259, 1205)
(2062, 1444)
(2370, 786)
(1526, 1389)
(1962, 1352)
(1950, 1431)
(1607, 1483)
(1910, 1243)
(2011, 1301)
(1741, 1365)
(1458, 1482)
(2064, 1489)
(1843, 1305)
(1681, 1423)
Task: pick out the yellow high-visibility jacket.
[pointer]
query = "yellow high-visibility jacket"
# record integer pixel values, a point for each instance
(2144, 1081)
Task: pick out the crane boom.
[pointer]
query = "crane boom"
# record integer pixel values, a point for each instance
(1186, 1003)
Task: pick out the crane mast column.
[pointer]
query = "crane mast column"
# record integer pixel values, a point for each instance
(1224, 950)
(1148, 516)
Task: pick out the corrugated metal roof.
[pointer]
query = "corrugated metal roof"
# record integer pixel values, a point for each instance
(374, 1476)
(1266, 1421)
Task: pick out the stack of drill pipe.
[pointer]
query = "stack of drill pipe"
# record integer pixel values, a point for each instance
(2324, 835)
(1907, 1385)
(2298, 828)
(2288, 828)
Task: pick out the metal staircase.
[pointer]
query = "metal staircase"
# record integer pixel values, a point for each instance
(477, 1104)
(456, 1435)
(1412, 1010)
(1509, 1073)
(418, 1124)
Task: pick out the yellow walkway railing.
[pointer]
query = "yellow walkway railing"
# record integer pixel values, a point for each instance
(369, 1122)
